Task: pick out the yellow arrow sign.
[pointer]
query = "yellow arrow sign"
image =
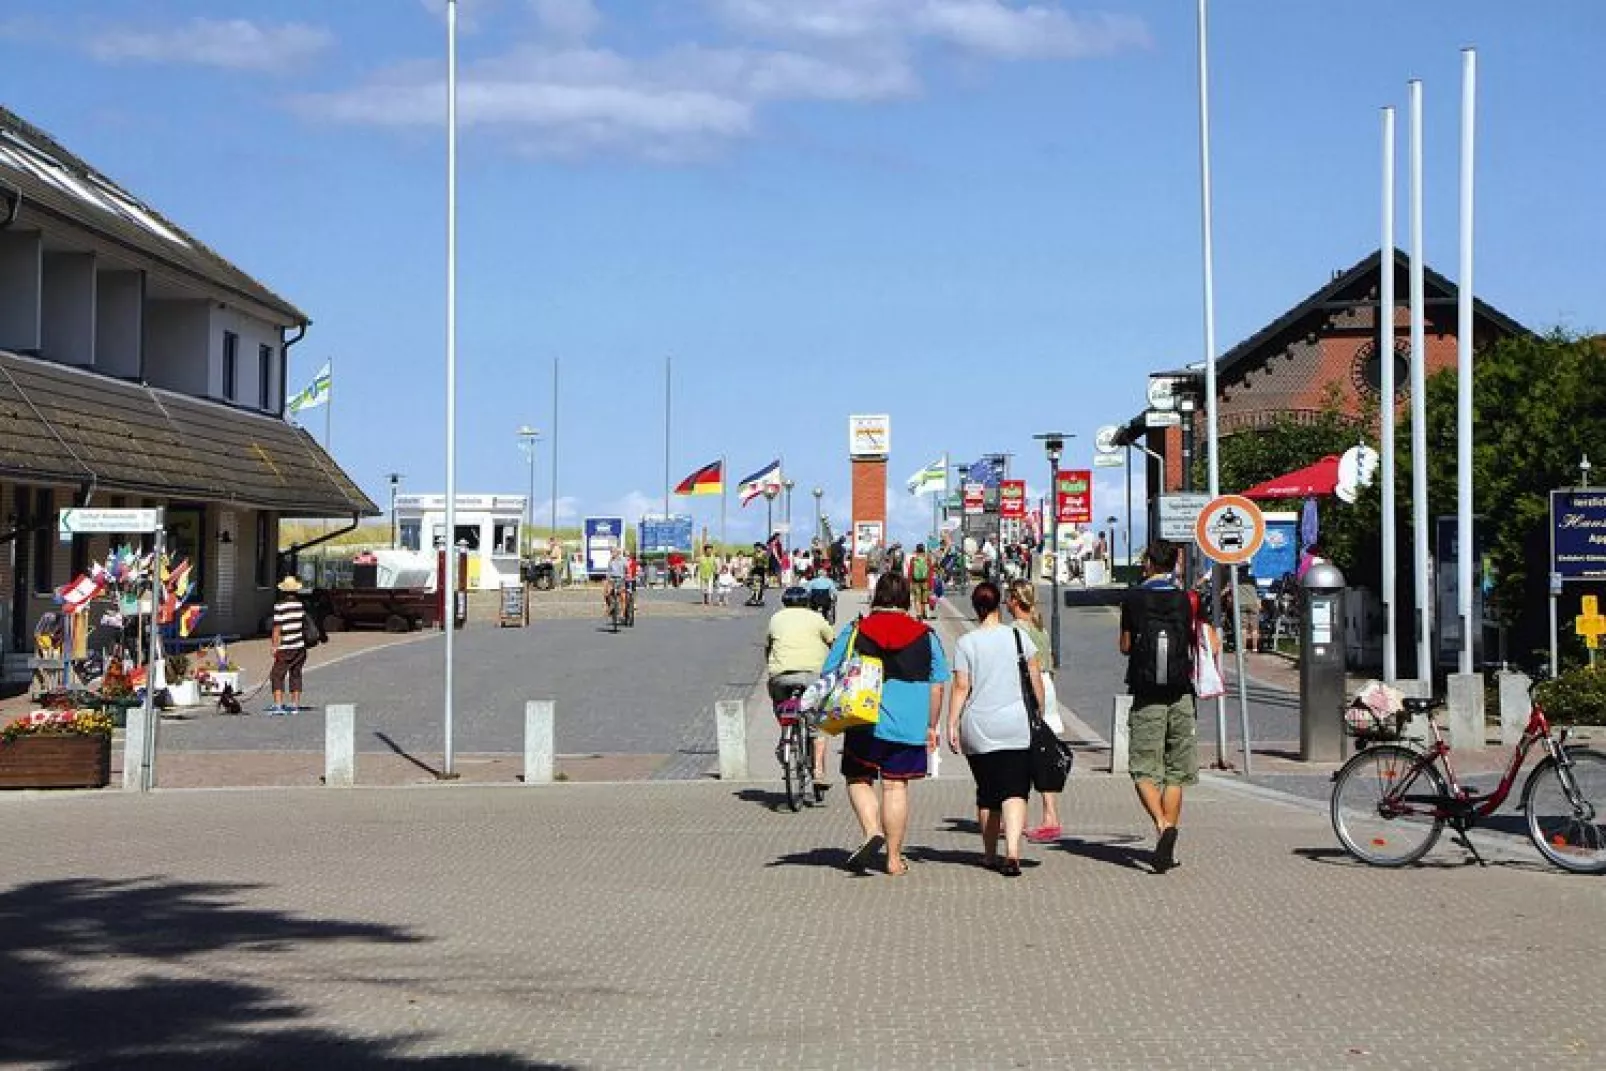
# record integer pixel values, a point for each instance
(1590, 624)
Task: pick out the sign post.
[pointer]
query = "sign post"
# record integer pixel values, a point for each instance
(1229, 530)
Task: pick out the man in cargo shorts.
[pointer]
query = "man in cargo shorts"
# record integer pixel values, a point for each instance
(1157, 624)
(289, 647)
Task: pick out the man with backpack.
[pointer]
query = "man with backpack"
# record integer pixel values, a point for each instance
(1157, 636)
(920, 580)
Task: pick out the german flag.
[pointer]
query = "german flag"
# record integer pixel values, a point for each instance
(708, 480)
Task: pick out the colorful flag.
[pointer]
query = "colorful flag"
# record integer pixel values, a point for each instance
(934, 477)
(986, 472)
(708, 480)
(766, 479)
(187, 619)
(316, 393)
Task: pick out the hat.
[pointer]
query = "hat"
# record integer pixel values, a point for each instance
(289, 583)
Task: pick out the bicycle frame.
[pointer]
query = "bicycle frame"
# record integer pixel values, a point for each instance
(1462, 804)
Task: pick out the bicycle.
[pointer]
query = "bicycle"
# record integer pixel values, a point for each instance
(613, 600)
(1391, 801)
(795, 751)
(628, 617)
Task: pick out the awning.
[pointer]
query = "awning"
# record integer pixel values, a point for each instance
(1316, 480)
(65, 425)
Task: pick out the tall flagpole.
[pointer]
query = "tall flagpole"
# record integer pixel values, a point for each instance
(1387, 414)
(1419, 426)
(555, 454)
(450, 580)
(724, 498)
(669, 363)
(1463, 364)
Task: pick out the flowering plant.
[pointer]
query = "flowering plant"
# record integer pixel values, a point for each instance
(58, 723)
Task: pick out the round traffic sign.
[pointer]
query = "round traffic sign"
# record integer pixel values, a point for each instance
(1230, 529)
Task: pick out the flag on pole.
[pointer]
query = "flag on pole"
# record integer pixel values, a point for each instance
(764, 480)
(315, 394)
(708, 480)
(934, 477)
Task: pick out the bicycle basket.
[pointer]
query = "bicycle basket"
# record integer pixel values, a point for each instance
(1376, 713)
(787, 711)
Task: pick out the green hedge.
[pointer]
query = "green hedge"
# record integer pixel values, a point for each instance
(1577, 697)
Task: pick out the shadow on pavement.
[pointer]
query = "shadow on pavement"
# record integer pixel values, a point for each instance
(169, 1013)
(770, 800)
(833, 858)
(1120, 851)
(399, 750)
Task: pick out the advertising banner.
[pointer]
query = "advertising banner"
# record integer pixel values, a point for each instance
(1073, 496)
(1578, 534)
(1278, 555)
(660, 534)
(975, 499)
(1012, 499)
(602, 534)
(866, 534)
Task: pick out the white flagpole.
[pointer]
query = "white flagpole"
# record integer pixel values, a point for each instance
(450, 593)
(1463, 363)
(1386, 391)
(1419, 429)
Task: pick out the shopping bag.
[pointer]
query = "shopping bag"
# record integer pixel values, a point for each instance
(1207, 678)
(855, 699)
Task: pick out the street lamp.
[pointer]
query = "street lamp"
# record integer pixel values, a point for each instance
(819, 516)
(769, 511)
(527, 436)
(1109, 548)
(1054, 446)
(1583, 470)
(788, 484)
(395, 478)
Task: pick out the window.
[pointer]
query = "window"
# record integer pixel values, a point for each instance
(507, 537)
(266, 550)
(231, 361)
(410, 532)
(44, 536)
(265, 376)
(468, 536)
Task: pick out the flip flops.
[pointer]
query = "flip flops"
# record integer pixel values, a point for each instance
(859, 861)
(1043, 834)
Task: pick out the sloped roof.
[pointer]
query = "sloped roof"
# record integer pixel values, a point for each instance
(68, 425)
(55, 181)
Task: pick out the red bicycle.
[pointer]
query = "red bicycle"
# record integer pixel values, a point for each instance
(1391, 800)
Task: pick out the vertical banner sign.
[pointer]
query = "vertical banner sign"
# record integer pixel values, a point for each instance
(1073, 496)
(975, 499)
(1012, 499)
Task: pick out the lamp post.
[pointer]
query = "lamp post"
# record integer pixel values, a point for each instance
(1583, 470)
(819, 516)
(788, 484)
(1054, 446)
(1109, 548)
(769, 511)
(395, 478)
(527, 436)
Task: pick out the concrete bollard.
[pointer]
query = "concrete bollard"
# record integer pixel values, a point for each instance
(340, 745)
(1121, 735)
(730, 726)
(539, 755)
(135, 729)
(1515, 706)
(1467, 727)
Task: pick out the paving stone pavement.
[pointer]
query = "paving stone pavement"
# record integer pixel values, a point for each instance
(678, 925)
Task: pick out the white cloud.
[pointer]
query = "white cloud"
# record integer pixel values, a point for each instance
(233, 44)
(554, 91)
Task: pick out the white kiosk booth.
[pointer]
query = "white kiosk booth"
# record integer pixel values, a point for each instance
(487, 529)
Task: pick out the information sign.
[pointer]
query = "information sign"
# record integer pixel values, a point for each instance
(975, 499)
(84, 521)
(1012, 499)
(1230, 529)
(1178, 513)
(602, 534)
(515, 610)
(1578, 534)
(660, 535)
(1073, 496)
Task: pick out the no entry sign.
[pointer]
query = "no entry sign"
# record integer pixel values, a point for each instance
(1230, 529)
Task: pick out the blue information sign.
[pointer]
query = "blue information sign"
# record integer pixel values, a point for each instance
(660, 535)
(1578, 534)
(602, 534)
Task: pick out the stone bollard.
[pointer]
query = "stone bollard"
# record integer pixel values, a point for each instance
(730, 726)
(1121, 735)
(135, 729)
(1515, 706)
(539, 755)
(1467, 727)
(340, 745)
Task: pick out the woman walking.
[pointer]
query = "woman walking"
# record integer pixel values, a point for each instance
(1021, 599)
(988, 721)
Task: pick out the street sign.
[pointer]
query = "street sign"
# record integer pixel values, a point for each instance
(1590, 624)
(1108, 461)
(1230, 529)
(1178, 514)
(1104, 439)
(1161, 418)
(78, 521)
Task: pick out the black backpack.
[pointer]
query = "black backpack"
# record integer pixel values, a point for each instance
(1161, 659)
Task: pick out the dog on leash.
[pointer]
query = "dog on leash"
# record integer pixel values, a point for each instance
(227, 703)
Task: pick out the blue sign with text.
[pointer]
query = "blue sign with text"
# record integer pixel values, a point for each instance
(1578, 534)
(660, 535)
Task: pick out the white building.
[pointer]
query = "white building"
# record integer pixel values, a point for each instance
(486, 527)
(139, 368)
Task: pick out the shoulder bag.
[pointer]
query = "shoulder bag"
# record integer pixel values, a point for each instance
(854, 700)
(1051, 757)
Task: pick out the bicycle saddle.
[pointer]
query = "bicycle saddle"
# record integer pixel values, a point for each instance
(1421, 706)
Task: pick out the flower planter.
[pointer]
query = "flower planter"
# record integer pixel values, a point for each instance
(184, 694)
(56, 762)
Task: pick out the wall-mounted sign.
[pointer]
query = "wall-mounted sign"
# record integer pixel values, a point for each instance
(870, 435)
(1578, 534)
(1177, 514)
(1104, 439)
(1012, 498)
(975, 499)
(1166, 391)
(1162, 418)
(83, 521)
(866, 534)
(1073, 496)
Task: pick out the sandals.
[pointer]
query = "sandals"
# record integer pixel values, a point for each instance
(859, 861)
(1010, 868)
(1043, 834)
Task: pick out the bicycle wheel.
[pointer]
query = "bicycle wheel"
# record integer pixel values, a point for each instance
(792, 768)
(630, 610)
(805, 761)
(1566, 810)
(1371, 818)
(613, 611)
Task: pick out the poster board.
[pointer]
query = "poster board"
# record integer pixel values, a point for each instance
(515, 607)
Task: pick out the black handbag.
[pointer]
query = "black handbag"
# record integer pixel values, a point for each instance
(1051, 757)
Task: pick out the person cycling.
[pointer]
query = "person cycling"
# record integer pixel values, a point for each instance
(795, 647)
(615, 587)
(757, 574)
(632, 583)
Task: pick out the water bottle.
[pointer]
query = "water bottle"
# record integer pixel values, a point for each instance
(1162, 658)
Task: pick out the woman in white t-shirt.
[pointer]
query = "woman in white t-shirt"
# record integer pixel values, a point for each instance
(987, 720)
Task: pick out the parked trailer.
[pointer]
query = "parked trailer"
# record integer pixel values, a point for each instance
(392, 609)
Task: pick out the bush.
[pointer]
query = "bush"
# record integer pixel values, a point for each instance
(1577, 697)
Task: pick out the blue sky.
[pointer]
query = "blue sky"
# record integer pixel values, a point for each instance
(979, 216)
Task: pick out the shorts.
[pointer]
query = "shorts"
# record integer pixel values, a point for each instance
(1164, 741)
(707, 586)
(287, 664)
(865, 758)
(783, 684)
(1000, 776)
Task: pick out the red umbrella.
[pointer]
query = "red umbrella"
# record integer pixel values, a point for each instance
(1314, 480)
